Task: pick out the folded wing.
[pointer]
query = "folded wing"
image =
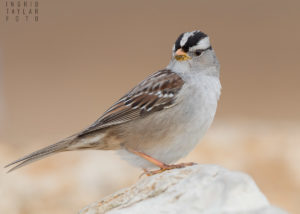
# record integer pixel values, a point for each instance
(157, 92)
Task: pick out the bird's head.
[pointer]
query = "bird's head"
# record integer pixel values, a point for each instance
(193, 48)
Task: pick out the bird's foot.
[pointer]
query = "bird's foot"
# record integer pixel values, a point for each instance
(163, 167)
(166, 167)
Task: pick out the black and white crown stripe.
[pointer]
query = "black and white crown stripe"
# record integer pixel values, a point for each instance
(191, 41)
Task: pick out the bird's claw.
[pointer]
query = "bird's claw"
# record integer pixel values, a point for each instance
(165, 168)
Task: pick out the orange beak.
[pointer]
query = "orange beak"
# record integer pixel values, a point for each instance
(180, 55)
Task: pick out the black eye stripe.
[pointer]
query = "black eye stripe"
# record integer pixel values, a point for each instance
(198, 52)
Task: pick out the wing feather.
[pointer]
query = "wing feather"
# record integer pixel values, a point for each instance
(155, 93)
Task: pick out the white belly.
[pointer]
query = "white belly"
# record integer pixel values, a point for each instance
(190, 124)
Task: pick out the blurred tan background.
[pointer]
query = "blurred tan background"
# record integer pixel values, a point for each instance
(59, 74)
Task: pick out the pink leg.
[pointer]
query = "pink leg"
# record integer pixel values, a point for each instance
(163, 167)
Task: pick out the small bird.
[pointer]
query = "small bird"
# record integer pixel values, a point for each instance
(161, 119)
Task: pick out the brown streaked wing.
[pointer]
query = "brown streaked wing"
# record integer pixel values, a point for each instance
(153, 94)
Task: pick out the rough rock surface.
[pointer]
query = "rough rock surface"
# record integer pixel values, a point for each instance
(200, 189)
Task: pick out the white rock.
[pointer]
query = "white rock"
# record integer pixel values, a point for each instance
(201, 189)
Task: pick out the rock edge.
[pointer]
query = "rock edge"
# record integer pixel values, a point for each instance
(201, 189)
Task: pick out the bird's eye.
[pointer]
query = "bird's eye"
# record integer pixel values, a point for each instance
(198, 52)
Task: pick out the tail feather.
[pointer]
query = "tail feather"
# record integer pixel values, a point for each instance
(41, 153)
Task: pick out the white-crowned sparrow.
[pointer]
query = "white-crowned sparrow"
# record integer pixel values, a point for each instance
(162, 118)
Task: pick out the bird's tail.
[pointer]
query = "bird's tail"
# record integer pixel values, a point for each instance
(41, 153)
